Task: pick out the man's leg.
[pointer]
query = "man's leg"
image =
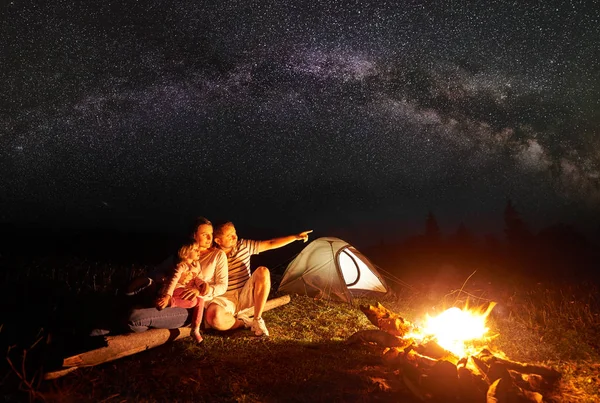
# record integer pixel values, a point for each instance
(220, 318)
(262, 287)
(141, 319)
(254, 294)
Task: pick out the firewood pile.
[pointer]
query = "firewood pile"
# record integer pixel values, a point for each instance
(433, 374)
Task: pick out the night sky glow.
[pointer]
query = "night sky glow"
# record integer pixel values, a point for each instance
(305, 113)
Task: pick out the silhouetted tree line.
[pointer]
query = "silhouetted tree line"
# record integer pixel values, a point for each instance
(26, 242)
(118, 246)
(556, 253)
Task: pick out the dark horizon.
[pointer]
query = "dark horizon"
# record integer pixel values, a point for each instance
(376, 230)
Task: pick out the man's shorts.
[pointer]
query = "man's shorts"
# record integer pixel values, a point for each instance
(236, 300)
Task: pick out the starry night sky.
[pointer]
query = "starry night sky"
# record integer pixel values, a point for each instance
(295, 115)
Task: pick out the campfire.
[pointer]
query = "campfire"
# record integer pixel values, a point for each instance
(448, 358)
(456, 330)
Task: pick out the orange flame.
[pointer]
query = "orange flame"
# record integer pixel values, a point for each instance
(455, 329)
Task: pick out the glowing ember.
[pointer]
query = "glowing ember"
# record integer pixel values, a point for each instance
(455, 329)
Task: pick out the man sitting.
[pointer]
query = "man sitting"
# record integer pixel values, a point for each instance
(246, 288)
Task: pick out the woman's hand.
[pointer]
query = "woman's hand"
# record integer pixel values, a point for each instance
(203, 288)
(162, 302)
(190, 293)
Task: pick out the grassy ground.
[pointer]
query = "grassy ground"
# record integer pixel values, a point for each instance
(306, 358)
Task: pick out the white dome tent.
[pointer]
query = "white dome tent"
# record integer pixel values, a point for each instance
(331, 268)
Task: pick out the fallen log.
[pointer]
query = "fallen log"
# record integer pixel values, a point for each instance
(124, 345)
(386, 320)
(118, 347)
(131, 343)
(270, 304)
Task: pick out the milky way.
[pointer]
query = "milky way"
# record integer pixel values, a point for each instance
(295, 113)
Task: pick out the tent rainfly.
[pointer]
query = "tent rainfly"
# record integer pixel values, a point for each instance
(331, 268)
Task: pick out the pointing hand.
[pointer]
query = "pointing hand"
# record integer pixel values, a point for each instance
(304, 235)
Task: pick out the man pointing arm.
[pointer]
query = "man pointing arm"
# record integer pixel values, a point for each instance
(279, 242)
(246, 288)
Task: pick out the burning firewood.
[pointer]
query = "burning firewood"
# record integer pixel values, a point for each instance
(498, 371)
(431, 349)
(386, 320)
(420, 360)
(378, 337)
(398, 357)
(532, 382)
(413, 388)
(442, 381)
(446, 360)
(547, 373)
(503, 390)
(482, 367)
(471, 387)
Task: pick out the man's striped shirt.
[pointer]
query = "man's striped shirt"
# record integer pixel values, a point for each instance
(239, 263)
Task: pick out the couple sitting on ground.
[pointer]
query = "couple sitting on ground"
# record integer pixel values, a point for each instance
(212, 279)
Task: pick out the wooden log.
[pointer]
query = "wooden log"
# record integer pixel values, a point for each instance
(270, 304)
(533, 382)
(502, 390)
(497, 371)
(124, 345)
(58, 373)
(482, 368)
(442, 382)
(471, 387)
(386, 320)
(379, 337)
(548, 373)
(392, 357)
(420, 360)
(413, 388)
(533, 397)
(131, 343)
(432, 349)
(498, 391)
(411, 362)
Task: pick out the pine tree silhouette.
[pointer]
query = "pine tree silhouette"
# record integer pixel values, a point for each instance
(432, 229)
(463, 236)
(515, 230)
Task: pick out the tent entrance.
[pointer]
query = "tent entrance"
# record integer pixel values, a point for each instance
(349, 266)
(357, 275)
